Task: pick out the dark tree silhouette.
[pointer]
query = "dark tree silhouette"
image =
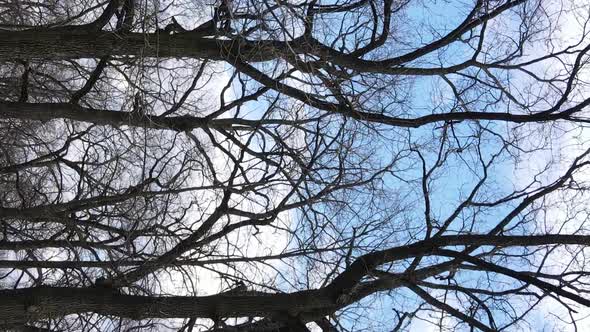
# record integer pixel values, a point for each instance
(293, 166)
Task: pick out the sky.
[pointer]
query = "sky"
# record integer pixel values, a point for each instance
(271, 242)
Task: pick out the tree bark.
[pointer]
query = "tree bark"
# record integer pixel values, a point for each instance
(61, 43)
(21, 305)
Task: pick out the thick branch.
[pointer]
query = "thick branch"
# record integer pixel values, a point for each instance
(28, 304)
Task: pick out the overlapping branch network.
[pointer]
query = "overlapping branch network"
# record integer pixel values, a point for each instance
(259, 165)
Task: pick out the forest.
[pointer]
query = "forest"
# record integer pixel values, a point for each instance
(294, 165)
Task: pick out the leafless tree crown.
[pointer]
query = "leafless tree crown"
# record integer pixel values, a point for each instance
(312, 165)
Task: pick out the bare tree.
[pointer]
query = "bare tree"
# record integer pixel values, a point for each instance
(290, 166)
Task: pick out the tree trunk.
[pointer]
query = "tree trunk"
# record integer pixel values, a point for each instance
(71, 44)
(22, 305)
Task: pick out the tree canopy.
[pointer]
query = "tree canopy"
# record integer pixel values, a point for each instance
(311, 165)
